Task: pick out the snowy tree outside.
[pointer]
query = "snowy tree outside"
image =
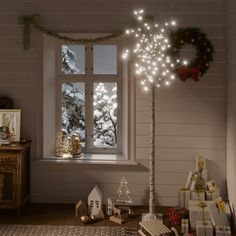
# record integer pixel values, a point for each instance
(73, 108)
(105, 115)
(73, 59)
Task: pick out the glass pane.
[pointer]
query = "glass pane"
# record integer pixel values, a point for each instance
(73, 59)
(73, 109)
(105, 115)
(105, 59)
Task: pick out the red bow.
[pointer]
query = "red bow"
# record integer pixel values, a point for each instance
(185, 72)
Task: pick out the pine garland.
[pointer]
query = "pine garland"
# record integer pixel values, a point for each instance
(32, 20)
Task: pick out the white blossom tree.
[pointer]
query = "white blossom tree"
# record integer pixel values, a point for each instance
(155, 68)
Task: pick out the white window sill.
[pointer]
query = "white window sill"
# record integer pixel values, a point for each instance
(110, 159)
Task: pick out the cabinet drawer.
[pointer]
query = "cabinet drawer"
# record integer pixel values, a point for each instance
(8, 158)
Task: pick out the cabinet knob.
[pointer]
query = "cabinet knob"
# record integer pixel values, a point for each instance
(1, 159)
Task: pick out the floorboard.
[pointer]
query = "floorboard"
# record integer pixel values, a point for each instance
(61, 214)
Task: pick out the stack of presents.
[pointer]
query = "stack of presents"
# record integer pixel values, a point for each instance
(201, 208)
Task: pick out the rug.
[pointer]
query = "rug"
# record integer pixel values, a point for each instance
(51, 230)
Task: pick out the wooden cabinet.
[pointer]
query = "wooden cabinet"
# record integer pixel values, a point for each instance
(14, 175)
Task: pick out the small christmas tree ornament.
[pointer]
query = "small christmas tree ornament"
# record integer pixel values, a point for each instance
(123, 194)
(62, 145)
(75, 146)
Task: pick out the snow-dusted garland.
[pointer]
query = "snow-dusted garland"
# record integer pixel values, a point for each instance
(204, 52)
(32, 20)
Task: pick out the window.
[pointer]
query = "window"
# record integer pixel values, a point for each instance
(89, 78)
(91, 205)
(86, 88)
(97, 203)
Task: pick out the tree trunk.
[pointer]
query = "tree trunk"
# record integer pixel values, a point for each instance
(152, 155)
(151, 215)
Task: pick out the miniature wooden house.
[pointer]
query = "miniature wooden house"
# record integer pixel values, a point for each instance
(109, 207)
(94, 201)
(80, 209)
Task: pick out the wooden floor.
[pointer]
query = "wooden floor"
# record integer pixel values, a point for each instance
(60, 214)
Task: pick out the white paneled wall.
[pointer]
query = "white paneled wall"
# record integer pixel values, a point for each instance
(190, 116)
(231, 108)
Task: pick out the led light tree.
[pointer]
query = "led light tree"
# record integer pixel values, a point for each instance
(155, 68)
(123, 193)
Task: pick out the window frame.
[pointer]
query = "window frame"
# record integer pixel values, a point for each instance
(89, 79)
(47, 129)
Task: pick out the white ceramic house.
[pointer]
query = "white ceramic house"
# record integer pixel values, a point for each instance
(95, 201)
(109, 207)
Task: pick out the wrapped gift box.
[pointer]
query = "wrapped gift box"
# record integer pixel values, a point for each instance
(223, 230)
(212, 195)
(200, 163)
(184, 197)
(202, 180)
(198, 210)
(219, 230)
(189, 180)
(175, 215)
(193, 181)
(227, 231)
(211, 185)
(204, 228)
(219, 216)
(185, 226)
(198, 195)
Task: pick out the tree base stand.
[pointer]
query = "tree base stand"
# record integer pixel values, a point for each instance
(148, 216)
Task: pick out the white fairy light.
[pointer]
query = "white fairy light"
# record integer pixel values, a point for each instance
(140, 18)
(150, 52)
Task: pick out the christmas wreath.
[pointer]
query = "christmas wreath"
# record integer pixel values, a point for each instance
(204, 52)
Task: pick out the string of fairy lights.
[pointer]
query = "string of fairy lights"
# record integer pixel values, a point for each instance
(150, 52)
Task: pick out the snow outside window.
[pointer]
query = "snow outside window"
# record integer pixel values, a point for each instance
(90, 93)
(105, 115)
(73, 109)
(73, 59)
